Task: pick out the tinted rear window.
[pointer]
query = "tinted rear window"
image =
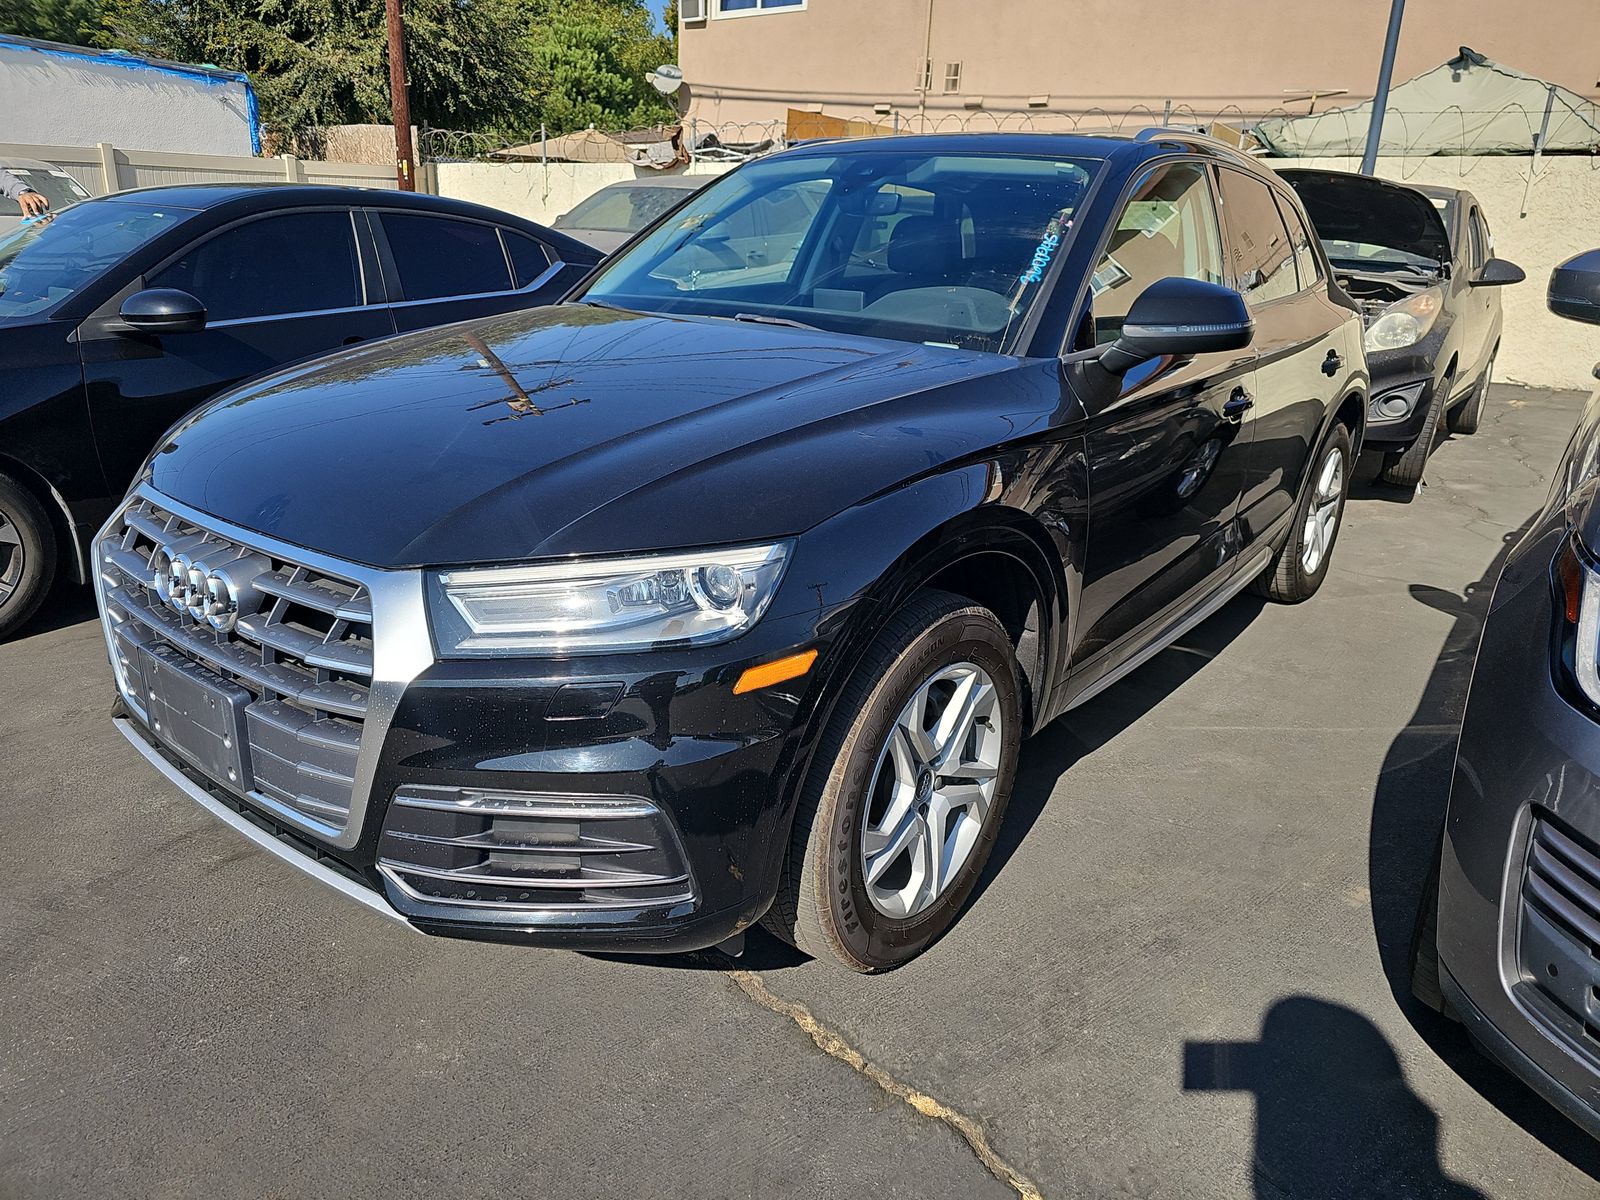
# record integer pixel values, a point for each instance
(529, 258)
(437, 256)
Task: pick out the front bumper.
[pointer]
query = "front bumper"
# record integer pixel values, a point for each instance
(1411, 374)
(701, 780)
(1519, 889)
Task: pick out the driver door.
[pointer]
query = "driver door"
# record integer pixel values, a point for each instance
(1169, 442)
(277, 288)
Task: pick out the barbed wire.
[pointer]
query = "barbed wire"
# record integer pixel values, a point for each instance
(1463, 133)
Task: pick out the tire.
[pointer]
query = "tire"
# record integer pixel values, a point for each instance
(932, 649)
(1297, 573)
(1405, 468)
(27, 555)
(1467, 418)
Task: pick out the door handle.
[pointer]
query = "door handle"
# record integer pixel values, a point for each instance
(1331, 364)
(1239, 403)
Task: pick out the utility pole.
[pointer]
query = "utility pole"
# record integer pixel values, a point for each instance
(1380, 101)
(405, 165)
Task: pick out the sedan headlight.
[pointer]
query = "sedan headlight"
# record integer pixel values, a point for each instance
(1405, 322)
(595, 606)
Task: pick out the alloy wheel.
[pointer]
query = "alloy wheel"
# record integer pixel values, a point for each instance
(11, 557)
(933, 786)
(1322, 520)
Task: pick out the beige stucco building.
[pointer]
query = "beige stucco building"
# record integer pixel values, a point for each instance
(1019, 61)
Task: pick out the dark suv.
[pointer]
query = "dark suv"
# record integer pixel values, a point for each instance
(120, 315)
(729, 588)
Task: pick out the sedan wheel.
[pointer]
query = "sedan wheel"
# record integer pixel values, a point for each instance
(27, 555)
(907, 791)
(1302, 562)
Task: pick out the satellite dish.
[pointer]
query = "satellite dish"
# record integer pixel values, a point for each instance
(666, 79)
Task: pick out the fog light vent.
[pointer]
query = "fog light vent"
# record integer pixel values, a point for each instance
(525, 850)
(1398, 404)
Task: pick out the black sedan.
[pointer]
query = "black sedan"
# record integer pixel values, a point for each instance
(1508, 933)
(119, 315)
(729, 587)
(1418, 262)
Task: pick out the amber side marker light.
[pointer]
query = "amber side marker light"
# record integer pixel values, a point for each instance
(767, 674)
(1569, 576)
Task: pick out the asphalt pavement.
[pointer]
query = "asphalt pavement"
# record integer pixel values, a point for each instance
(1183, 975)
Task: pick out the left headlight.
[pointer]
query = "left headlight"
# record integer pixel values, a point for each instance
(596, 606)
(1405, 322)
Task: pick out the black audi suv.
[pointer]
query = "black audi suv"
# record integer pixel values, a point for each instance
(1419, 261)
(729, 588)
(120, 315)
(1508, 932)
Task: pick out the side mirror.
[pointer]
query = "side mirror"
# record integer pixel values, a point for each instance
(164, 310)
(1575, 288)
(1497, 272)
(1180, 317)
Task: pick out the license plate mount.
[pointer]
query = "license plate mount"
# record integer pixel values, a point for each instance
(199, 714)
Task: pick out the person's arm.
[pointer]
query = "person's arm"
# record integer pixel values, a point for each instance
(12, 188)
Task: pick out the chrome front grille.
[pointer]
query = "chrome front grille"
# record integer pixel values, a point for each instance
(298, 641)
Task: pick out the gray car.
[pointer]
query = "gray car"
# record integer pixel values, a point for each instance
(617, 211)
(1508, 933)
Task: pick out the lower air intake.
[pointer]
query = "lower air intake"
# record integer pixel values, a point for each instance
(522, 850)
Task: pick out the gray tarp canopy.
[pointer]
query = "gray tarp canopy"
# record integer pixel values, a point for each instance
(1469, 105)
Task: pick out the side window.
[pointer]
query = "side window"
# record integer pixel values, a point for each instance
(1259, 251)
(1306, 267)
(1168, 228)
(437, 256)
(291, 263)
(1477, 241)
(530, 258)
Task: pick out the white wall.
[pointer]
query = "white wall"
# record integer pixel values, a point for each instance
(63, 99)
(1563, 218)
(543, 192)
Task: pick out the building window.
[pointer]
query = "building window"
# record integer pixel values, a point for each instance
(745, 8)
(952, 78)
(925, 79)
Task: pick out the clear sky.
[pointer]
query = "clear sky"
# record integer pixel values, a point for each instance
(658, 7)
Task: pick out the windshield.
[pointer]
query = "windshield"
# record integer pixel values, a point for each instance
(55, 186)
(948, 249)
(623, 209)
(44, 261)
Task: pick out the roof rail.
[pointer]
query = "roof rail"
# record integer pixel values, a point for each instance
(1189, 137)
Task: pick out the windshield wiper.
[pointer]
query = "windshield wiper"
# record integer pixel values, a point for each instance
(763, 319)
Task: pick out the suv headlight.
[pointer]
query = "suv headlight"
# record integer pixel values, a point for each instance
(595, 606)
(1405, 322)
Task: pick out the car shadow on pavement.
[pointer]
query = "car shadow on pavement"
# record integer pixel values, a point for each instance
(67, 604)
(1334, 1114)
(1408, 811)
(1053, 751)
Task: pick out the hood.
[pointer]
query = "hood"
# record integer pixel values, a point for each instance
(1358, 208)
(577, 429)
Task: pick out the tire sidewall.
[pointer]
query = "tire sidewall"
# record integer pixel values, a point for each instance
(38, 555)
(864, 934)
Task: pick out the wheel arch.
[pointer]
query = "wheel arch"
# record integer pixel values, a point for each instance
(69, 547)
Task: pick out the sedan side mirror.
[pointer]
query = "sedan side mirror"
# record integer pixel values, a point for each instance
(1180, 317)
(164, 310)
(1575, 288)
(1497, 272)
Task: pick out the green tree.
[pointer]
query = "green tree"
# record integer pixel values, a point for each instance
(589, 62)
(73, 21)
(325, 62)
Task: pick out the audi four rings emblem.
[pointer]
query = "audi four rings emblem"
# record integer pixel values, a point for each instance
(184, 584)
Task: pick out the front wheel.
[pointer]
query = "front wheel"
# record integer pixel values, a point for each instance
(1302, 563)
(1405, 468)
(27, 555)
(1467, 418)
(908, 790)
